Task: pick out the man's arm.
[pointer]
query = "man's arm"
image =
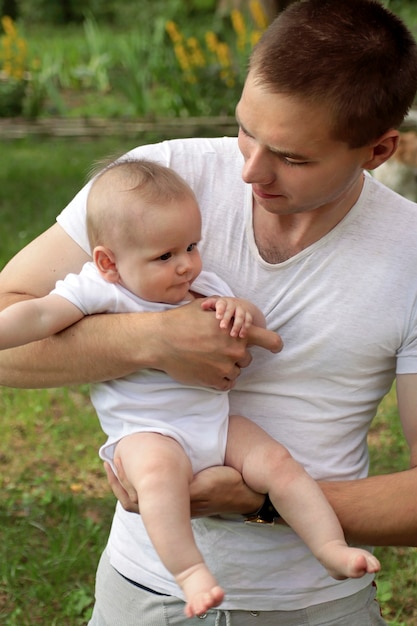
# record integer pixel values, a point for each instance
(382, 510)
(377, 511)
(185, 342)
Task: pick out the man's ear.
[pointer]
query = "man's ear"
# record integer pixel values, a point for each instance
(105, 262)
(382, 149)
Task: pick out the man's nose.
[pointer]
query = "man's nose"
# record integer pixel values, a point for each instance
(257, 168)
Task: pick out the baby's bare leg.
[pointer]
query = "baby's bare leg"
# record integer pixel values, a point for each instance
(268, 467)
(160, 471)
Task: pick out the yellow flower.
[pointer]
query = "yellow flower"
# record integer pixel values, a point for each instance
(211, 41)
(196, 53)
(8, 26)
(255, 37)
(258, 14)
(173, 31)
(223, 54)
(14, 51)
(182, 57)
(238, 23)
(239, 27)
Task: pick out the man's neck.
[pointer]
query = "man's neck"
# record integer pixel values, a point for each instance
(280, 237)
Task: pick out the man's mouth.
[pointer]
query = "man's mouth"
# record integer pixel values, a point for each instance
(263, 194)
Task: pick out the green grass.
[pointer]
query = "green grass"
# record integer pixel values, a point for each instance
(39, 177)
(56, 508)
(397, 588)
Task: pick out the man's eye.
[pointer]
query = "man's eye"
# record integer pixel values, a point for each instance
(293, 163)
(244, 131)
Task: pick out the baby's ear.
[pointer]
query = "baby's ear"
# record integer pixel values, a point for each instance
(105, 262)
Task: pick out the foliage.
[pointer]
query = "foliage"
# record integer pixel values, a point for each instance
(118, 14)
(65, 11)
(213, 65)
(13, 76)
(95, 70)
(22, 85)
(181, 60)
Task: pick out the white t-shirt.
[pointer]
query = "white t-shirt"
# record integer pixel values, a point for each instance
(346, 308)
(149, 400)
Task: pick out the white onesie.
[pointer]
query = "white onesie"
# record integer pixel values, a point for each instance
(149, 400)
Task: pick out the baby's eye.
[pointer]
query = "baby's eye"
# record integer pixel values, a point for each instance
(191, 247)
(166, 256)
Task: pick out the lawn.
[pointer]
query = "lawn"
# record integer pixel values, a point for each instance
(56, 507)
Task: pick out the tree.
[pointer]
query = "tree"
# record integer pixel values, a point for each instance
(9, 8)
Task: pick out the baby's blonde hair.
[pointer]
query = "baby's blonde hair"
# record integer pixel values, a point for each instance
(111, 215)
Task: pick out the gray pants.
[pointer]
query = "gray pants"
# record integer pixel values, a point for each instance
(119, 603)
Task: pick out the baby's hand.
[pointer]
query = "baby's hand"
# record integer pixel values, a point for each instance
(230, 311)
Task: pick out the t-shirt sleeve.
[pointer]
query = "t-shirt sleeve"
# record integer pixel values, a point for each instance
(88, 291)
(73, 219)
(407, 354)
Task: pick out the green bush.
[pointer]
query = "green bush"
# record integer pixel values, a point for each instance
(59, 12)
(12, 97)
(64, 11)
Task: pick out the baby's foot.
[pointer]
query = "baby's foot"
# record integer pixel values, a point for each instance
(342, 562)
(200, 589)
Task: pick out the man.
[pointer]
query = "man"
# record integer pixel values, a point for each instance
(329, 255)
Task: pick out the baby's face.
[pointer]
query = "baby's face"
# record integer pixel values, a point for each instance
(165, 260)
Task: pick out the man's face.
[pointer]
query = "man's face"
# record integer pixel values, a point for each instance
(291, 161)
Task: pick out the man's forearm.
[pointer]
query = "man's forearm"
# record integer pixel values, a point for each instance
(185, 342)
(379, 511)
(97, 348)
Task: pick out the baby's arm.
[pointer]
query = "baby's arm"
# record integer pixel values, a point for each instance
(32, 320)
(240, 313)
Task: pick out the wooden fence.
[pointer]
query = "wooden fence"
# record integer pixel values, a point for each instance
(16, 128)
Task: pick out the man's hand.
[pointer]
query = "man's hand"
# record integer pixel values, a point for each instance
(215, 490)
(196, 351)
(124, 493)
(221, 490)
